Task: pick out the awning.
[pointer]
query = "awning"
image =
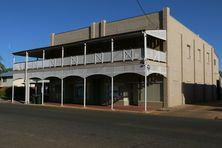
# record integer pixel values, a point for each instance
(37, 52)
(160, 34)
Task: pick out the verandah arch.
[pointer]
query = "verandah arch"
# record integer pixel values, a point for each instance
(35, 90)
(98, 90)
(52, 90)
(156, 87)
(19, 89)
(128, 89)
(73, 90)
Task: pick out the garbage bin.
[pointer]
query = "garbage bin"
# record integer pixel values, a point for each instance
(33, 101)
(38, 99)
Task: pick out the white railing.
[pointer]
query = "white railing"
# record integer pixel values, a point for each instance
(156, 55)
(96, 58)
(34, 64)
(19, 66)
(52, 63)
(74, 60)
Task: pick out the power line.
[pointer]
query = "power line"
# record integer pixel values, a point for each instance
(144, 13)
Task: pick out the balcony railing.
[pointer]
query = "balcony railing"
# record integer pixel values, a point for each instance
(156, 55)
(106, 57)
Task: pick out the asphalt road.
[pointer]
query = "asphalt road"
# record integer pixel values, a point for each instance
(23, 126)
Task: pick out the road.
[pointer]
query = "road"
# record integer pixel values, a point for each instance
(23, 126)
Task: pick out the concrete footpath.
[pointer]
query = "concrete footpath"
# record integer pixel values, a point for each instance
(211, 110)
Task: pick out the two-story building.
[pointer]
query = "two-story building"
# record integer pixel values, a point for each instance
(150, 61)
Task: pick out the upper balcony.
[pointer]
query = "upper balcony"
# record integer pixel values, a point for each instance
(120, 48)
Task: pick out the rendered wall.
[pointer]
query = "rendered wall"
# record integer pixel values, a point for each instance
(100, 29)
(190, 66)
(7, 83)
(67, 37)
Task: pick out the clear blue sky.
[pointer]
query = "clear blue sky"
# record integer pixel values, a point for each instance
(27, 24)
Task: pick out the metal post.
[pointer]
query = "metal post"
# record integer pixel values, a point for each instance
(43, 59)
(112, 49)
(43, 91)
(28, 90)
(102, 57)
(85, 53)
(95, 58)
(62, 56)
(145, 66)
(145, 87)
(13, 61)
(13, 91)
(26, 79)
(145, 46)
(123, 55)
(84, 101)
(61, 92)
(62, 78)
(111, 93)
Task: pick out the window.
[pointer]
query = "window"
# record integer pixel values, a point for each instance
(4, 80)
(215, 62)
(189, 52)
(199, 55)
(208, 57)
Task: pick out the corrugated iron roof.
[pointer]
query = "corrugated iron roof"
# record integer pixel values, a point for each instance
(6, 74)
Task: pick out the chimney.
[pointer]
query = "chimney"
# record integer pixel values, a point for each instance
(103, 28)
(52, 39)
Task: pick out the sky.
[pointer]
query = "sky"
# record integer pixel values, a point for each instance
(27, 24)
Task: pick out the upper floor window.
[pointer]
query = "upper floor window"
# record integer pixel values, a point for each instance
(215, 62)
(208, 57)
(189, 52)
(199, 55)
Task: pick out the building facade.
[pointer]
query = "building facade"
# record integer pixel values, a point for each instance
(6, 79)
(148, 61)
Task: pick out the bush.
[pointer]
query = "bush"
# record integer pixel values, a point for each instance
(3, 94)
(6, 93)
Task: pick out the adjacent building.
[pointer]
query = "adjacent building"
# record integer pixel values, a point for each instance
(150, 61)
(6, 79)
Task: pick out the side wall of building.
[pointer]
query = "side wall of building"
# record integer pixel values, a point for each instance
(192, 74)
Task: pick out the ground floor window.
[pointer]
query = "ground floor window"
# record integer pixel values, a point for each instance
(155, 87)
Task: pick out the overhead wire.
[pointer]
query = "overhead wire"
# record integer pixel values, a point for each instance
(146, 16)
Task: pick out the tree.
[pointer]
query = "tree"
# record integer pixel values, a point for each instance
(2, 67)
